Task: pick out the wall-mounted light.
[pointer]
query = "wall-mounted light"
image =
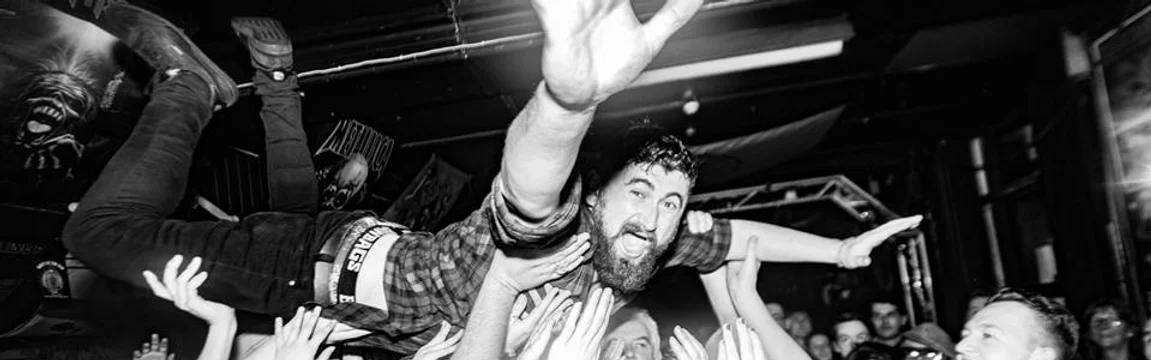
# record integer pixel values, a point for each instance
(690, 103)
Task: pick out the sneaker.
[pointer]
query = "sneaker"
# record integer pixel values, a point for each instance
(267, 42)
(164, 47)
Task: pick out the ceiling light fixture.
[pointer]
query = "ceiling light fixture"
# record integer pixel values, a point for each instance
(738, 63)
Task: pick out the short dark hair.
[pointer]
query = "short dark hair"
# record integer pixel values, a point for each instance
(887, 300)
(641, 144)
(1058, 323)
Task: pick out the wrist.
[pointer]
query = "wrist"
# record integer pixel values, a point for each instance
(840, 253)
(550, 103)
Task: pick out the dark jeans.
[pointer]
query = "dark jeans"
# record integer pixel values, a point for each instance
(292, 183)
(262, 264)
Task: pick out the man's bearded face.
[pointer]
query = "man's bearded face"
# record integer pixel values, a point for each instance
(633, 221)
(53, 104)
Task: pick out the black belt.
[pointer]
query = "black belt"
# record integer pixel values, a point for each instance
(347, 254)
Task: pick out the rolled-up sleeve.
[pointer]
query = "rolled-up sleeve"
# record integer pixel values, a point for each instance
(510, 228)
(706, 251)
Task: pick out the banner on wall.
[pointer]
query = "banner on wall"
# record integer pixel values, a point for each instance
(429, 197)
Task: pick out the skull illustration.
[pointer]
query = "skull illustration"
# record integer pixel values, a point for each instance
(343, 183)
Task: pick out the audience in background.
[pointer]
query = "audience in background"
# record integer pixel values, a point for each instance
(1146, 337)
(1019, 325)
(799, 325)
(1109, 332)
(976, 301)
(927, 341)
(636, 333)
(819, 347)
(778, 312)
(887, 322)
(849, 331)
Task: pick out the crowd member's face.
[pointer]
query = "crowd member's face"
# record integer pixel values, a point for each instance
(799, 324)
(636, 215)
(974, 305)
(1107, 329)
(637, 342)
(850, 334)
(886, 320)
(777, 313)
(1004, 331)
(820, 347)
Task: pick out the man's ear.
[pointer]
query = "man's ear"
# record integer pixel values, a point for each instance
(1043, 353)
(904, 318)
(591, 199)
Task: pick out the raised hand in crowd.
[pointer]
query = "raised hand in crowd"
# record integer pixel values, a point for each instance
(182, 289)
(442, 345)
(157, 349)
(301, 337)
(522, 322)
(685, 346)
(740, 343)
(742, 277)
(508, 276)
(584, 327)
(541, 336)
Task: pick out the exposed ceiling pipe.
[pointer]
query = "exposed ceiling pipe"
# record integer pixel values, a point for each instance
(452, 52)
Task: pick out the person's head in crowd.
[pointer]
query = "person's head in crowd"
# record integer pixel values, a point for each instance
(976, 301)
(818, 345)
(1019, 325)
(799, 324)
(1110, 328)
(1146, 343)
(888, 320)
(927, 341)
(635, 196)
(638, 332)
(873, 351)
(849, 332)
(777, 312)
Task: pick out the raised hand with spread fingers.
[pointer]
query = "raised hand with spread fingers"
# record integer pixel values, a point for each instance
(584, 327)
(182, 289)
(157, 349)
(685, 346)
(523, 323)
(301, 337)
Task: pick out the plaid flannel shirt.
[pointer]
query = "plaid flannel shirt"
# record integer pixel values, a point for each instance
(434, 277)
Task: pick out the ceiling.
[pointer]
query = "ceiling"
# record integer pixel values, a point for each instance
(911, 70)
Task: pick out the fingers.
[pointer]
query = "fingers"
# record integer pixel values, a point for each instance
(757, 350)
(520, 304)
(690, 344)
(292, 330)
(171, 270)
(572, 316)
(883, 232)
(158, 288)
(442, 334)
(327, 353)
(750, 265)
(743, 339)
(668, 20)
(182, 281)
(278, 331)
(194, 284)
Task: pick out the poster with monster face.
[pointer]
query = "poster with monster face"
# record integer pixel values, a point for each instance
(55, 71)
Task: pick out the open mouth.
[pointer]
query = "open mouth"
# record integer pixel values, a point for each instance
(44, 116)
(633, 245)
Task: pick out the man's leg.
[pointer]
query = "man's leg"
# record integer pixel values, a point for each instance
(291, 175)
(261, 264)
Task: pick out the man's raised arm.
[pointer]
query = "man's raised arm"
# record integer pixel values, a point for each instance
(592, 50)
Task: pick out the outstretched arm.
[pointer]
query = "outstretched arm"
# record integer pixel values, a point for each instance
(780, 244)
(592, 50)
(741, 281)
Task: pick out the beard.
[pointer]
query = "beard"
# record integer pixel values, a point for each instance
(620, 274)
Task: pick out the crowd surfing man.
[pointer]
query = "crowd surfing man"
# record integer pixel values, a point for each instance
(391, 288)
